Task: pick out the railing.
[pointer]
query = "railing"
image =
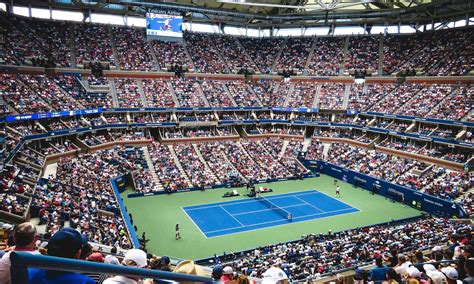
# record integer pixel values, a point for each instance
(21, 261)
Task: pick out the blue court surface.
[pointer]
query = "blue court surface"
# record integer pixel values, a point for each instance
(222, 218)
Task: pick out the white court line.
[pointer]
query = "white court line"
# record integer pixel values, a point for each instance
(217, 204)
(309, 204)
(192, 220)
(269, 209)
(232, 216)
(269, 222)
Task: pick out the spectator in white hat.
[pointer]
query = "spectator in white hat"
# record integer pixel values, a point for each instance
(133, 258)
(451, 275)
(227, 274)
(411, 273)
(274, 275)
(436, 276)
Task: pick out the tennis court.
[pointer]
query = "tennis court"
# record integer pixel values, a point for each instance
(223, 218)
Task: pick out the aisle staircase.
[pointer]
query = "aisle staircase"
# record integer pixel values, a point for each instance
(26, 85)
(188, 56)
(317, 96)
(222, 153)
(153, 54)
(201, 93)
(114, 47)
(66, 94)
(72, 46)
(172, 93)
(443, 101)
(468, 115)
(178, 163)
(327, 147)
(227, 93)
(306, 144)
(345, 55)
(151, 167)
(277, 58)
(380, 57)
(471, 112)
(250, 90)
(347, 92)
(283, 148)
(288, 95)
(311, 52)
(141, 92)
(246, 54)
(113, 92)
(206, 166)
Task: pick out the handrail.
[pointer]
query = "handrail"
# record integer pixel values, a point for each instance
(21, 261)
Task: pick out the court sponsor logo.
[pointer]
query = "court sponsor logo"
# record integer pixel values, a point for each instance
(433, 202)
(394, 191)
(358, 179)
(336, 170)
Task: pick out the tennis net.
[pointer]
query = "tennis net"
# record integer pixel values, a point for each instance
(285, 214)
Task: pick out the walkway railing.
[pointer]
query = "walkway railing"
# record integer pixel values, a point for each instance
(22, 261)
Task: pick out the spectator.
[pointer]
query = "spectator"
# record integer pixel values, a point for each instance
(160, 263)
(467, 252)
(274, 275)
(24, 237)
(392, 277)
(165, 263)
(469, 267)
(99, 258)
(453, 242)
(133, 258)
(217, 273)
(436, 276)
(189, 267)
(227, 274)
(110, 259)
(378, 273)
(451, 275)
(420, 259)
(66, 243)
(402, 265)
(412, 275)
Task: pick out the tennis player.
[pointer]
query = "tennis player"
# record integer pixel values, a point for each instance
(178, 233)
(338, 191)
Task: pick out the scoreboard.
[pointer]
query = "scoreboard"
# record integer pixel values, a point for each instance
(164, 25)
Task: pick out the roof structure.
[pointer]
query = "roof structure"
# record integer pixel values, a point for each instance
(281, 13)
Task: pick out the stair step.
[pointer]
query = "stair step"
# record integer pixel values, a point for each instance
(206, 166)
(178, 164)
(151, 167)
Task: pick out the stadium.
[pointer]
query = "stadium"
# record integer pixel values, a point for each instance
(237, 141)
